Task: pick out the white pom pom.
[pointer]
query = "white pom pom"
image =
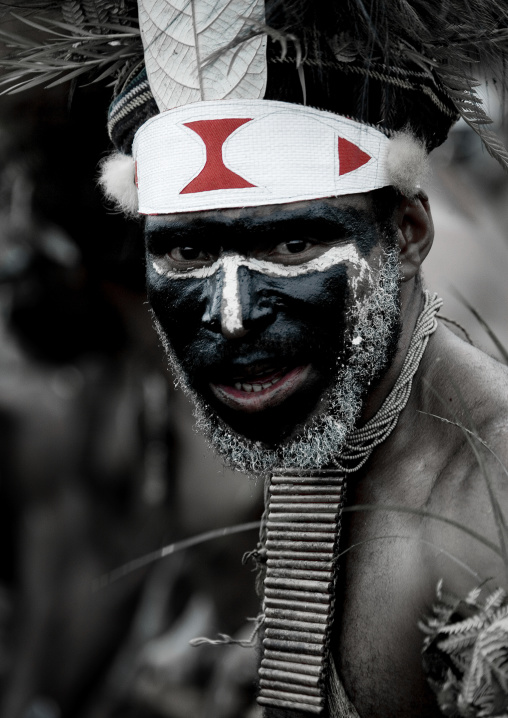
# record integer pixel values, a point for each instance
(118, 181)
(407, 164)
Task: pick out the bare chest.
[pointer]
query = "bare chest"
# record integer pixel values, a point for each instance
(385, 586)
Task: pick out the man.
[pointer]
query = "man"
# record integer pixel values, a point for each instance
(284, 251)
(387, 579)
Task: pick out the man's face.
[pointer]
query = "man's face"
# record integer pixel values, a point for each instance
(259, 305)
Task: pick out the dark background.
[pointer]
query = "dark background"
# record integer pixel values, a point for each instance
(99, 464)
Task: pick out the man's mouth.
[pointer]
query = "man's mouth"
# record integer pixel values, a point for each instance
(253, 393)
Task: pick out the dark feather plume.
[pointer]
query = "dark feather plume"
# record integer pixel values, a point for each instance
(395, 63)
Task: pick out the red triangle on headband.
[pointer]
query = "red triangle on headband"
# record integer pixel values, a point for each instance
(351, 157)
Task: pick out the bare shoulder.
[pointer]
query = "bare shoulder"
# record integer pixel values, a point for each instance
(471, 393)
(467, 387)
(477, 380)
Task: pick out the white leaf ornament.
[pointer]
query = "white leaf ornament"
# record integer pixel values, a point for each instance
(182, 40)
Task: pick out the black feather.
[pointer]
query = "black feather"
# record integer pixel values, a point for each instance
(394, 63)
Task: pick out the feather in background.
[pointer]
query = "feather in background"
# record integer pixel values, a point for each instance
(465, 654)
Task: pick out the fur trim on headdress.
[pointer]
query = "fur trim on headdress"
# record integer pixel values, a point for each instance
(118, 181)
(407, 163)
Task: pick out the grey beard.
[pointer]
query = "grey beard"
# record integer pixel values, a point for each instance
(375, 320)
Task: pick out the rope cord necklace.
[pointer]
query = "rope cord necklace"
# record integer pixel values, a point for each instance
(362, 441)
(301, 528)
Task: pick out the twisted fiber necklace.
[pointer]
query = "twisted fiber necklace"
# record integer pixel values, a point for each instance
(301, 528)
(361, 442)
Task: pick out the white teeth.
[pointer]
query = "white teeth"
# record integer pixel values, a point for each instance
(256, 387)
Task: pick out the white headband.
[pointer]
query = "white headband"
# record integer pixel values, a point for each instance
(238, 153)
(244, 153)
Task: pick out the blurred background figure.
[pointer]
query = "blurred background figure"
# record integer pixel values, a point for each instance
(99, 463)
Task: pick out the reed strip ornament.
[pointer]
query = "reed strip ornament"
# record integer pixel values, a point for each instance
(302, 533)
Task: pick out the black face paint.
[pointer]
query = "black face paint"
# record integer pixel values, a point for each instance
(288, 321)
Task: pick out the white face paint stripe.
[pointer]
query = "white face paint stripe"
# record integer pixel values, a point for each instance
(335, 255)
(231, 315)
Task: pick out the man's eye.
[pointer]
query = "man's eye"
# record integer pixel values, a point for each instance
(189, 254)
(293, 246)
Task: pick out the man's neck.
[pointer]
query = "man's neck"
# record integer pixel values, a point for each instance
(412, 302)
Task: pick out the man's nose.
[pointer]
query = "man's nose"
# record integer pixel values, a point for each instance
(233, 306)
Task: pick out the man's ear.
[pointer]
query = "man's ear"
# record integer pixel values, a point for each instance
(415, 233)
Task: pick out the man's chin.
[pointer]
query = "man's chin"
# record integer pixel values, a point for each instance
(270, 413)
(259, 442)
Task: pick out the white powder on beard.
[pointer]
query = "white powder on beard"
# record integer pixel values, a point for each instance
(375, 319)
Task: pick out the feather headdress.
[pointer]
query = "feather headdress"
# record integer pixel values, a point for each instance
(396, 65)
(412, 62)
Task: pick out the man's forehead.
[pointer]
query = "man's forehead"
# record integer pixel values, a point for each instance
(331, 210)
